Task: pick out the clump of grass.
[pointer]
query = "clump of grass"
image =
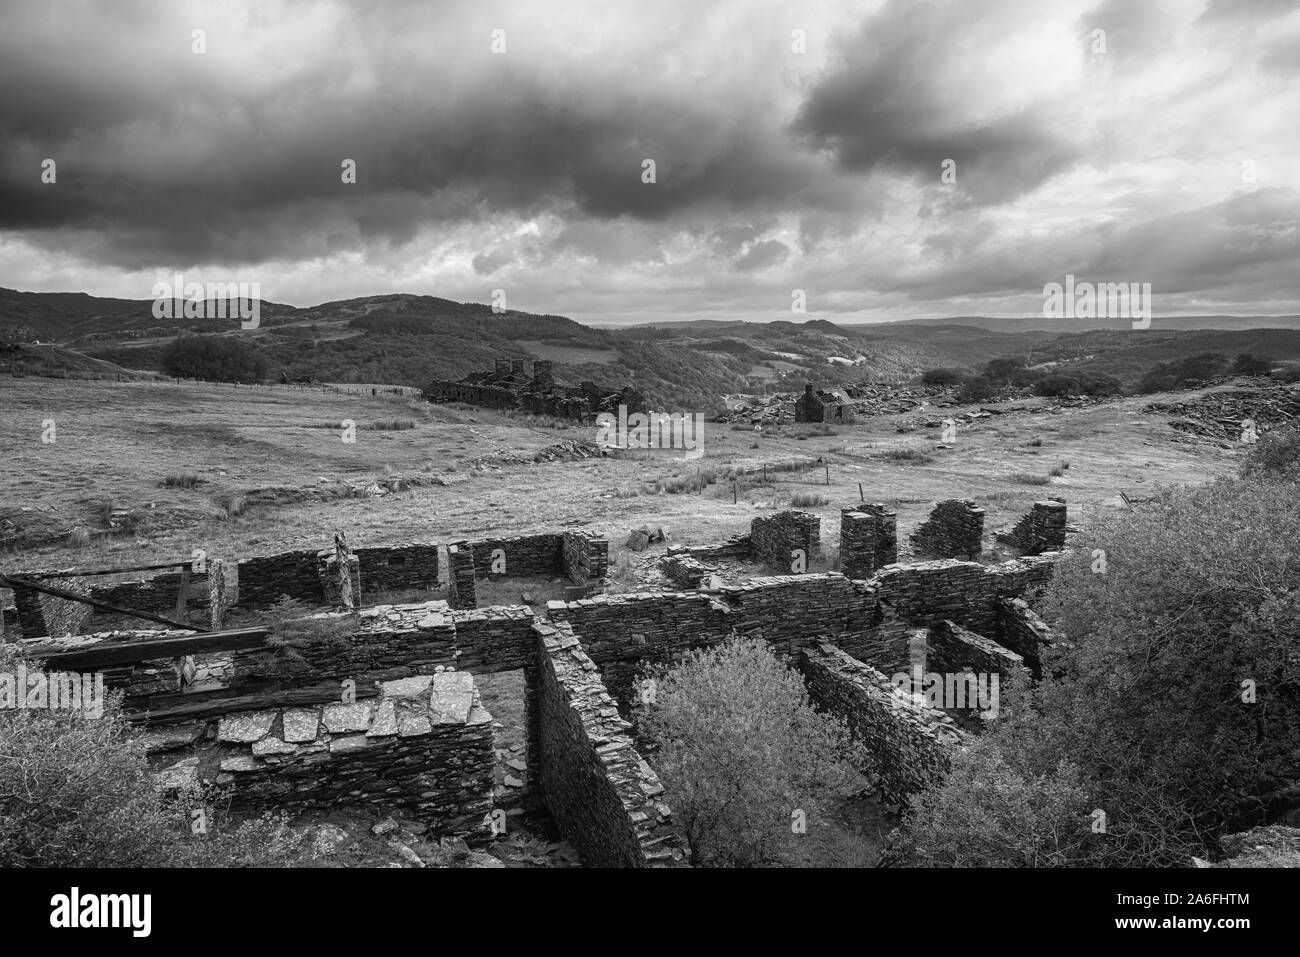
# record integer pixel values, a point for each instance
(807, 499)
(683, 484)
(233, 504)
(1026, 478)
(392, 425)
(104, 509)
(627, 492)
(1035, 442)
(180, 480)
(78, 538)
(908, 455)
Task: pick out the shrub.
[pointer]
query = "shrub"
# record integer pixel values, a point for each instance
(77, 791)
(1276, 454)
(1287, 372)
(180, 480)
(1027, 478)
(1147, 700)
(1248, 364)
(977, 389)
(1011, 370)
(1181, 373)
(217, 358)
(988, 814)
(739, 748)
(941, 377)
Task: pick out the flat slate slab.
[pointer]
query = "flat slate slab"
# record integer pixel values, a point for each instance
(246, 728)
(452, 697)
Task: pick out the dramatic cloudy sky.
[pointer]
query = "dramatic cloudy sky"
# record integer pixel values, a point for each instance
(1173, 157)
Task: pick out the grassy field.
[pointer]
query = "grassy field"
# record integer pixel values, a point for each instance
(256, 470)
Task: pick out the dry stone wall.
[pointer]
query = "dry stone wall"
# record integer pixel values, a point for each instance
(965, 592)
(684, 571)
(621, 633)
(1024, 632)
(40, 615)
(1041, 530)
(264, 580)
(424, 744)
(461, 591)
(909, 743)
(868, 539)
(525, 555)
(399, 567)
(775, 538)
(586, 556)
(955, 529)
(953, 648)
(606, 800)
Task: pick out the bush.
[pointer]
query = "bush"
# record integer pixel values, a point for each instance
(1012, 371)
(977, 389)
(216, 358)
(77, 791)
(988, 814)
(180, 480)
(1287, 372)
(1253, 365)
(941, 377)
(1028, 478)
(1182, 373)
(1176, 695)
(739, 749)
(1276, 454)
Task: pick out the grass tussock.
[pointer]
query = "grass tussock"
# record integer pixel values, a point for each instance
(807, 499)
(1027, 478)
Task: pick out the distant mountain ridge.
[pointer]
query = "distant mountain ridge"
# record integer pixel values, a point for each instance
(412, 340)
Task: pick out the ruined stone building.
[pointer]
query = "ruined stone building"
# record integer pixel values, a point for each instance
(509, 386)
(822, 405)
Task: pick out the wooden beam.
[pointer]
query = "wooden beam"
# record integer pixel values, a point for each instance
(87, 572)
(11, 582)
(108, 653)
(170, 709)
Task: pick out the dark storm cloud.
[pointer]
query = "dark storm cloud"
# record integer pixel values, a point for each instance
(889, 104)
(175, 160)
(775, 169)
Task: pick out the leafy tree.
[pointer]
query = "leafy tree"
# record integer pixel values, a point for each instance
(1180, 373)
(1248, 364)
(977, 388)
(216, 358)
(941, 377)
(740, 750)
(1176, 697)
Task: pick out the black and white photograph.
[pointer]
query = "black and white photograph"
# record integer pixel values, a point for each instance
(818, 436)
